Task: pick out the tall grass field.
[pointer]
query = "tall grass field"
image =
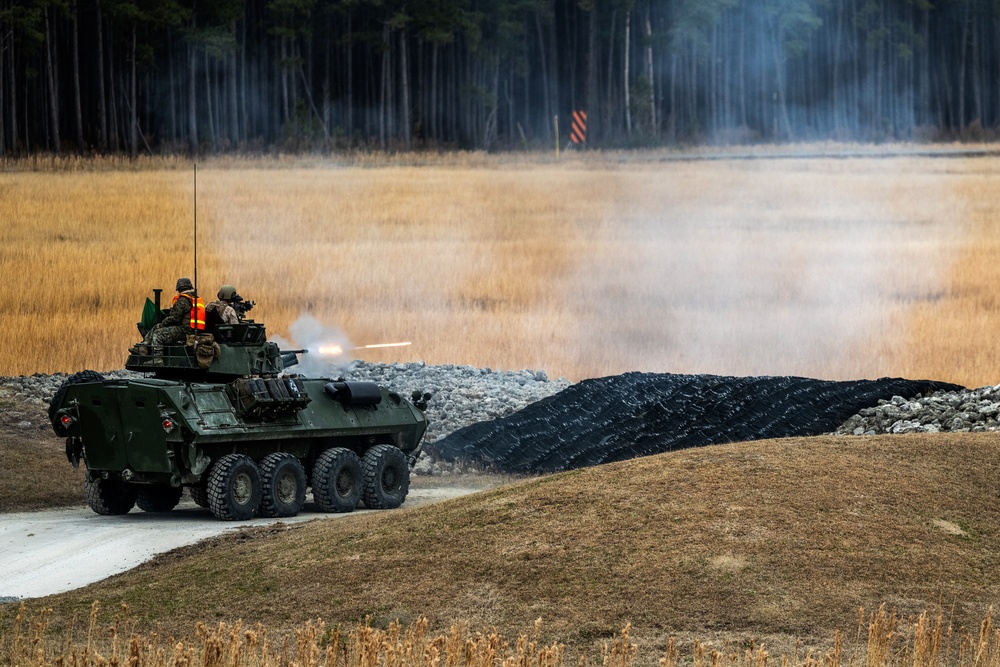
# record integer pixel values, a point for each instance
(588, 266)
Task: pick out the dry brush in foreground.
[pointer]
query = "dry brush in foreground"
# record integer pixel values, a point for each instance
(883, 639)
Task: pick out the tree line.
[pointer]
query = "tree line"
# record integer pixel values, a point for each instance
(203, 76)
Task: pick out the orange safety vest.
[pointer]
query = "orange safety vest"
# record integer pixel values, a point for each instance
(197, 321)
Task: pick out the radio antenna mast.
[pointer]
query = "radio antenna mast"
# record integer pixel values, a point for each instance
(195, 230)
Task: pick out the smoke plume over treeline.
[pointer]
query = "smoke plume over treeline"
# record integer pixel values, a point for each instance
(135, 76)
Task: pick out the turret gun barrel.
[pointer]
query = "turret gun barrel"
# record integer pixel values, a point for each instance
(289, 358)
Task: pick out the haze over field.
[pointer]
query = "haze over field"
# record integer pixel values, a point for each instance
(829, 268)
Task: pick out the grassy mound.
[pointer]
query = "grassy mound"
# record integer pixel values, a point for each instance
(763, 539)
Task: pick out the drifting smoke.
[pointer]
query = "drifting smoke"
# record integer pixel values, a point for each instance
(806, 277)
(329, 348)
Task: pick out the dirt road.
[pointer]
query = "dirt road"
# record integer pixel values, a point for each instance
(53, 551)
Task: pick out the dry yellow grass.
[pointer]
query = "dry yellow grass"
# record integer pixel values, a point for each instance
(591, 266)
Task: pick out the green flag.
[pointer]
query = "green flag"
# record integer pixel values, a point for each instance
(148, 315)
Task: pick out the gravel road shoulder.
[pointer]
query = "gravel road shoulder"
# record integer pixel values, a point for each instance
(53, 551)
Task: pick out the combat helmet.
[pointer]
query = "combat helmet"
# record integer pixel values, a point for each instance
(227, 293)
(184, 284)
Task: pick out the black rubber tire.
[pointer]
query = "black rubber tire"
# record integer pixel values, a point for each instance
(158, 498)
(199, 494)
(387, 477)
(56, 402)
(336, 480)
(234, 488)
(109, 497)
(283, 480)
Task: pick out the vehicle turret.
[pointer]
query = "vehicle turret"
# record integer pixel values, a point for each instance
(228, 352)
(221, 353)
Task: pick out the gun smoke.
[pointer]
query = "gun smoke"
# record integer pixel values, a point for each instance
(311, 334)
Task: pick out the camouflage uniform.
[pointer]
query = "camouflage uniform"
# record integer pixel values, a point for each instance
(227, 314)
(175, 327)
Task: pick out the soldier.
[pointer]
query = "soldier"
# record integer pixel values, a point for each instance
(186, 316)
(221, 310)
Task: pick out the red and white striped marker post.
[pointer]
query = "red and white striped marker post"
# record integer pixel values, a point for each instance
(578, 131)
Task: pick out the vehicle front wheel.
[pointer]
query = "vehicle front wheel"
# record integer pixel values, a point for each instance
(109, 497)
(387, 477)
(336, 480)
(234, 488)
(284, 483)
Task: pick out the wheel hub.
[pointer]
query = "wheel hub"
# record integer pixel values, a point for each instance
(242, 489)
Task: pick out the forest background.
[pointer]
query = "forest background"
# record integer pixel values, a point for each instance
(169, 76)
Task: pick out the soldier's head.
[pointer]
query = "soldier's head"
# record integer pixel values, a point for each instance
(228, 293)
(184, 285)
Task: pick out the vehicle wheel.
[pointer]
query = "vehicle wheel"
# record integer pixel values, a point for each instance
(234, 487)
(107, 496)
(199, 494)
(283, 480)
(336, 480)
(158, 498)
(76, 378)
(387, 477)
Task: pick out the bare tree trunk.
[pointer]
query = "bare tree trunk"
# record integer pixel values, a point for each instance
(420, 121)
(489, 125)
(192, 99)
(284, 78)
(741, 64)
(383, 97)
(672, 116)
(102, 99)
(350, 78)
(962, 66)
(781, 74)
(654, 125)
(435, 103)
(113, 99)
(53, 91)
(404, 77)
(173, 94)
(593, 112)
(133, 112)
(244, 81)
(77, 105)
(3, 132)
(212, 128)
(327, 82)
(555, 86)
(609, 105)
(977, 69)
(234, 107)
(13, 95)
(546, 93)
(625, 75)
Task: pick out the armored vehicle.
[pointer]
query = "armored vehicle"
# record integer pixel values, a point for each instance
(222, 416)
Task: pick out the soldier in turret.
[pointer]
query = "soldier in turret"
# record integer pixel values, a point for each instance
(221, 310)
(186, 316)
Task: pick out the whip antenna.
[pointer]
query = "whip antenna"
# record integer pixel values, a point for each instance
(195, 230)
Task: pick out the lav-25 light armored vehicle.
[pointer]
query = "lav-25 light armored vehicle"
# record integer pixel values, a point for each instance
(222, 417)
